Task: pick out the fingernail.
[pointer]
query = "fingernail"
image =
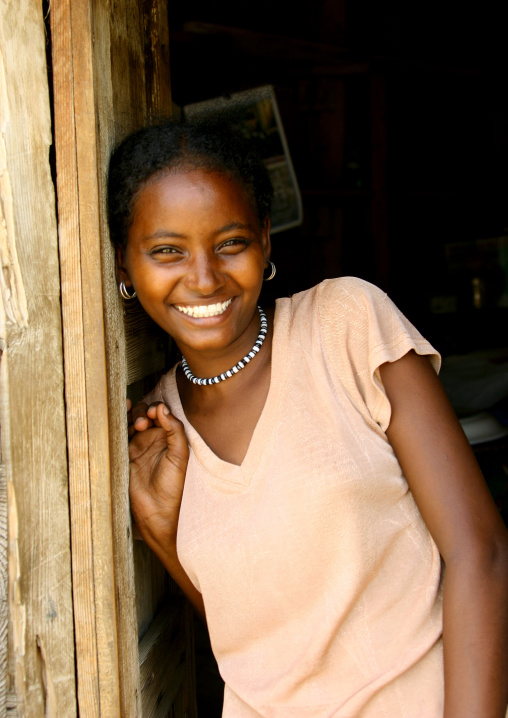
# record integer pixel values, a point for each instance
(165, 411)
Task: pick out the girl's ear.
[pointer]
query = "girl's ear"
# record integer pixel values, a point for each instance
(121, 273)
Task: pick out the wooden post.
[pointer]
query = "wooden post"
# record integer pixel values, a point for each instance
(41, 675)
(85, 366)
(102, 90)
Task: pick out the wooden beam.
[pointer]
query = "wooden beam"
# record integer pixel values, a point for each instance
(261, 44)
(33, 442)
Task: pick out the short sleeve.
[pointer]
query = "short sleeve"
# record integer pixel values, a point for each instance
(154, 395)
(161, 390)
(362, 329)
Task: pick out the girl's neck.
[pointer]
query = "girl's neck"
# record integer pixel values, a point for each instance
(214, 362)
(207, 365)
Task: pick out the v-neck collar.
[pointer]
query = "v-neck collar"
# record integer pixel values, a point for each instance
(207, 459)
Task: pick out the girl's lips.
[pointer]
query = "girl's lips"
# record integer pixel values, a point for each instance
(204, 311)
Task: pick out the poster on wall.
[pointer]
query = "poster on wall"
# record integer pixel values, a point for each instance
(260, 120)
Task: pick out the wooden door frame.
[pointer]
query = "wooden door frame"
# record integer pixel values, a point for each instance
(110, 74)
(37, 663)
(69, 572)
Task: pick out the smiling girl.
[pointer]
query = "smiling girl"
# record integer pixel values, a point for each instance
(300, 473)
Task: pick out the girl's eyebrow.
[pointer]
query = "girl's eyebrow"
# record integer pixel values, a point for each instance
(162, 234)
(233, 225)
(166, 233)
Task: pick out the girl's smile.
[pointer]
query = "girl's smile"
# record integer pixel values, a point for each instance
(195, 256)
(203, 310)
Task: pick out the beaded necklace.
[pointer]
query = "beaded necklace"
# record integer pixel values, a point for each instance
(235, 369)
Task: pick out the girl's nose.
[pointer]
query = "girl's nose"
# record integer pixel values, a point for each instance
(203, 275)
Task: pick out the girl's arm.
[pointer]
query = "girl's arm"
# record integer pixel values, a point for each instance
(456, 505)
(158, 462)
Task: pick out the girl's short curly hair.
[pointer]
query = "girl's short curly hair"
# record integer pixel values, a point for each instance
(212, 143)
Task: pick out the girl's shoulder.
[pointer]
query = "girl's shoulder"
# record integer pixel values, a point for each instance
(347, 291)
(340, 301)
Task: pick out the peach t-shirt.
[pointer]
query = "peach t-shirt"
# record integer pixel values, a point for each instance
(321, 583)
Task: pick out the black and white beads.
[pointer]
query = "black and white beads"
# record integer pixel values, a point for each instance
(234, 370)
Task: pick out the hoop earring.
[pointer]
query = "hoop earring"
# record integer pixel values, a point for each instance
(272, 274)
(124, 293)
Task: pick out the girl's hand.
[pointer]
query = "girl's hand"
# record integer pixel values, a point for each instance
(158, 454)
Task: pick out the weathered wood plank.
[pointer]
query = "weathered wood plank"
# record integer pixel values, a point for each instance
(108, 90)
(120, 101)
(95, 355)
(31, 408)
(156, 33)
(4, 582)
(75, 389)
(122, 76)
(162, 655)
(85, 365)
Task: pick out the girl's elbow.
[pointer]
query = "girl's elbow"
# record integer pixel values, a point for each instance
(486, 554)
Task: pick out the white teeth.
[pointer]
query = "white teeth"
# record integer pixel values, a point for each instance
(205, 310)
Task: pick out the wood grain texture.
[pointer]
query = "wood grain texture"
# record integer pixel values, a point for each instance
(163, 663)
(146, 345)
(41, 676)
(152, 584)
(95, 355)
(4, 582)
(157, 70)
(100, 95)
(85, 362)
(75, 387)
(133, 348)
(120, 108)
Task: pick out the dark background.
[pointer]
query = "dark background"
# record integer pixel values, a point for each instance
(396, 119)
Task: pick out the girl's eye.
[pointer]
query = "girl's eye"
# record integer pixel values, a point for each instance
(164, 251)
(236, 243)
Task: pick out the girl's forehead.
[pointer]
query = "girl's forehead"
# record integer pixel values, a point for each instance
(191, 186)
(184, 195)
(185, 174)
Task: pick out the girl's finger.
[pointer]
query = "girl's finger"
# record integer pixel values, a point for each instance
(178, 449)
(140, 420)
(152, 409)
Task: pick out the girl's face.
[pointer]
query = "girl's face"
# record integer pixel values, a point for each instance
(195, 256)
